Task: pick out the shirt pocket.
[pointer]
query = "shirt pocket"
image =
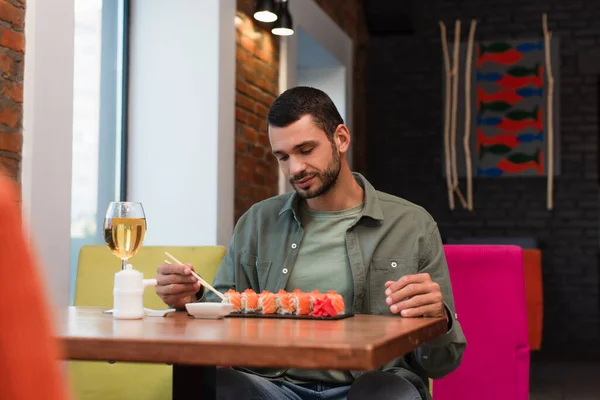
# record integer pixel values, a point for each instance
(256, 270)
(382, 270)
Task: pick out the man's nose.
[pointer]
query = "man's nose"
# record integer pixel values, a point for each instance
(296, 166)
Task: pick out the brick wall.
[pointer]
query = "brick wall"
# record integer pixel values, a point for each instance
(257, 86)
(12, 46)
(405, 152)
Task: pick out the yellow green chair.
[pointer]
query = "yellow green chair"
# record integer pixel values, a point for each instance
(96, 266)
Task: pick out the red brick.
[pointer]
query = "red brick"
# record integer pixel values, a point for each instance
(10, 167)
(264, 140)
(240, 86)
(241, 115)
(241, 55)
(243, 174)
(240, 147)
(247, 73)
(259, 178)
(12, 142)
(257, 152)
(255, 93)
(12, 40)
(12, 14)
(270, 74)
(263, 126)
(260, 109)
(7, 65)
(250, 134)
(249, 163)
(10, 117)
(247, 44)
(245, 102)
(243, 190)
(265, 54)
(13, 90)
(252, 120)
(263, 83)
(270, 98)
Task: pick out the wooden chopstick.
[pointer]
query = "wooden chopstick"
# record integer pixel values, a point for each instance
(202, 281)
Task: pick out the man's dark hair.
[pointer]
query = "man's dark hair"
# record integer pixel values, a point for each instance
(297, 102)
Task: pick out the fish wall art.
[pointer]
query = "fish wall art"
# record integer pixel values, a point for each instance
(509, 109)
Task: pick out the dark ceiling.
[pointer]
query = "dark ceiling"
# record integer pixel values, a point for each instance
(390, 17)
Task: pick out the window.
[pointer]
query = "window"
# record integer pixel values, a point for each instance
(99, 117)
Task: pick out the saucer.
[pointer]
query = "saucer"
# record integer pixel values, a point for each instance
(209, 310)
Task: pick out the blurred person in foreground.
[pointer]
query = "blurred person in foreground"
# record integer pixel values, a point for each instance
(29, 352)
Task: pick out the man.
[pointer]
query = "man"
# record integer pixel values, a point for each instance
(383, 254)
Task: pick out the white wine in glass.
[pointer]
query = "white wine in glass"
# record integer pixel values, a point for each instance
(124, 229)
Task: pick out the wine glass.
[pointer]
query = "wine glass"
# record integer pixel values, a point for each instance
(124, 229)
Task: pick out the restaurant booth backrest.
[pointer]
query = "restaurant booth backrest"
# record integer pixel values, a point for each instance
(98, 380)
(489, 291)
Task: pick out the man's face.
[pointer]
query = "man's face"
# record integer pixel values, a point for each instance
(307, 158)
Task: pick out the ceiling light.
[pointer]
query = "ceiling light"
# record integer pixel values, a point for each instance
(284, 25)
(265, 11)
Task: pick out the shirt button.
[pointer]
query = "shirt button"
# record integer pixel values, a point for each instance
(394, 264)
(294, 245)
(285, 271)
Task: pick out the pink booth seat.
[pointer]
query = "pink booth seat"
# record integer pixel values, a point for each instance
(489, 291)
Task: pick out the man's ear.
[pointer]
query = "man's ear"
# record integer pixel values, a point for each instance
(341, 137)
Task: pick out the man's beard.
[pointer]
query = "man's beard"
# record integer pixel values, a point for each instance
(328, 178)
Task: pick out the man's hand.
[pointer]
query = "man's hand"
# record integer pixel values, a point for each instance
(176, 285)
(415, 296)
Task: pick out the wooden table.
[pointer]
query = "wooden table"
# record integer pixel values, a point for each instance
(196, 346)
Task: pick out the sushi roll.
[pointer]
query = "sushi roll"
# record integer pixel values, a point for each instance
(267, 303)
(338, 302)
(302, 303)
(285, 303)
(235, 298)
(250, 301)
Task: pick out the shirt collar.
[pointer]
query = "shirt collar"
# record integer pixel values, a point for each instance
(372, 208)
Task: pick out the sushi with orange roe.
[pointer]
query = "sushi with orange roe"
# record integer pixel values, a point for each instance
(302, 302)
(267, 303)
(338, 302)
(285, 302)
(250, 301)
(234, 298)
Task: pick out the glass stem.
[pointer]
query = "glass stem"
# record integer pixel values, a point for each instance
(123, 263)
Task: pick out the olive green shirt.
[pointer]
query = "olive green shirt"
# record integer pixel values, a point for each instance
(391, 238)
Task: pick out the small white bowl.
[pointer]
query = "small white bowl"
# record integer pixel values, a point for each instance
(209, 310)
